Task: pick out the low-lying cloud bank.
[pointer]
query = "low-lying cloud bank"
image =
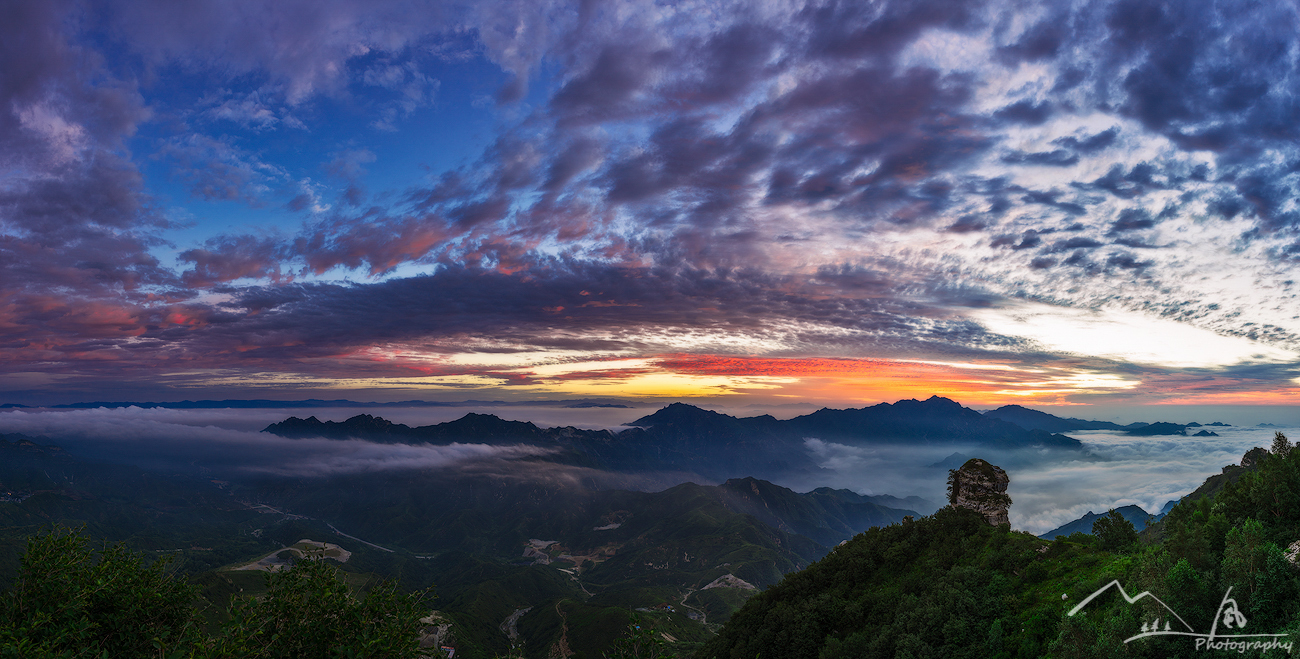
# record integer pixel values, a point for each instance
(1143, 471)
(1049, 488)
(169, 438)
(230, 443)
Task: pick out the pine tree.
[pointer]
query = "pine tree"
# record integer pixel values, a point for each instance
(1114, 532)
(1281, 445)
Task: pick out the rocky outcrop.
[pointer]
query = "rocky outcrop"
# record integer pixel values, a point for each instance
(981, 487)
(1254, 456)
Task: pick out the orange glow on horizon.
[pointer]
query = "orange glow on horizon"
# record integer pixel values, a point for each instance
(1288, 396)
(977, 383)
(834, 381)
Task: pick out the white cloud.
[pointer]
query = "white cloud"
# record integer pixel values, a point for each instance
(1126, 336)
(1142, 471)
(64, 139)
(154, 437)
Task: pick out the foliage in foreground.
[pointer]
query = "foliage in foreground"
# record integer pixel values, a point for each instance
(308, 611)
(71, 602)
(950, 585)
(947, 585)
(1114, 532)
(639, 642)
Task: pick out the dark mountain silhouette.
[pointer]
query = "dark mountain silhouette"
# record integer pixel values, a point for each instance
(824, 515)
(1159, 428)
(463, 531)
(935, 420)
(1036, 420)
(953, 461)
(479, 428)
(687, 438)
(18, 446)
(912, 503)
(1134, 514)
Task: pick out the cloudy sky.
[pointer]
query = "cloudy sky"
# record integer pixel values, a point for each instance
(1043, 203)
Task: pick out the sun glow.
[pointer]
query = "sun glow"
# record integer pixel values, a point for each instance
(831, 381)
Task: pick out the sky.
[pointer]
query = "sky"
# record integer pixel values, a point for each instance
(1044, 203)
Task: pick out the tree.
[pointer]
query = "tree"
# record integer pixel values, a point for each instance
(1281, 445)
(1261, 578)
(1114, 532)
(309, 611)
(640, 642)
(70, 601)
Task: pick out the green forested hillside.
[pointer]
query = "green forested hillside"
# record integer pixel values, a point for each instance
(951, 585)
(195, 521)
(593, 556)
(948, 585)
(536, 567)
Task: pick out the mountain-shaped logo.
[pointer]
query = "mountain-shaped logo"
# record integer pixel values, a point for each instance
(1229, 616)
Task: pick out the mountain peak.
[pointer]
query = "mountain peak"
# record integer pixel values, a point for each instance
(488, 423)
(932, 405)
(678, 413)
(940, 400)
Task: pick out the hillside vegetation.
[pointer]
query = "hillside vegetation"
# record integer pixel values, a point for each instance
(604, 554)
(541, 565)
(951, 585)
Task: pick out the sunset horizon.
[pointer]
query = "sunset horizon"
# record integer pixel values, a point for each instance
(733, 202)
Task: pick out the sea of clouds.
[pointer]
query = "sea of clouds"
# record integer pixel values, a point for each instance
(1049, 488)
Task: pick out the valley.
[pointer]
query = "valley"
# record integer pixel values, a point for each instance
(536, 552)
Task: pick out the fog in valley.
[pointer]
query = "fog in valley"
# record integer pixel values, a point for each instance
(1049, 488)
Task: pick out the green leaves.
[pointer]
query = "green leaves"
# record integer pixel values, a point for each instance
(308, 611)
(1281, 445)
(71, 602)
(74, 602)
(639, 642)
(1114, 532)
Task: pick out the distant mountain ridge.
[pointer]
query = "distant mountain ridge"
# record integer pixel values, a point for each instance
(1031, 419)
(1134, 514)
(16, 444)
(1139, 516)
(824, 515)
(936, 420)
(605, 551)
(688, 438)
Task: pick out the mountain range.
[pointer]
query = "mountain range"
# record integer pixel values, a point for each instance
(1136, 515)
(717, 446)
(1030, 419)
(492, 545)
(530, 541)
